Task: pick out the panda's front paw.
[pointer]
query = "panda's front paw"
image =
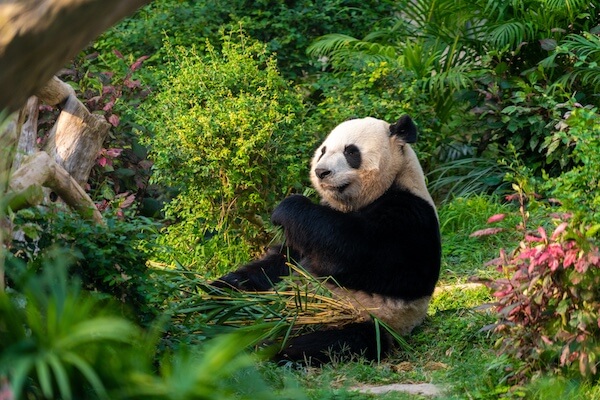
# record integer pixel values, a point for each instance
(290, 206)
(233, 280)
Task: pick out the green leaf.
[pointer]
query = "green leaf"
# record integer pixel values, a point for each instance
(43, 374)
(592, 231)
(61, 376)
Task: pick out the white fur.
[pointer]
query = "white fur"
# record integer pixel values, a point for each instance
(385, 159)
(401, 315)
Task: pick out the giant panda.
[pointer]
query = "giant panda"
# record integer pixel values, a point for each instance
(375, 232)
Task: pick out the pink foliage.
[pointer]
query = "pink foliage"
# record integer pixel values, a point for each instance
(486, 232)
(548, 300)
(496, 218)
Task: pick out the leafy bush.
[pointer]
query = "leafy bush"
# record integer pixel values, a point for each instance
(579, 188)
(58, 341)
(549, 304)
(111, 85)
(109, 258)
(513, 68)
(380, 90)
(228, 135)
(285, 27)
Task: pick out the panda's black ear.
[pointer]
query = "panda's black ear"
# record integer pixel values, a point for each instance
(404, 128)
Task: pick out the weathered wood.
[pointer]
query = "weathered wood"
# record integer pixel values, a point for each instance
(55, 92)
(76, 139)
(37, 37)
(9, 137)
(27, 139)
(41, 170)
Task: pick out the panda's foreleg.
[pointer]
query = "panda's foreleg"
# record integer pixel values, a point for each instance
(323, 346)
(261, 274)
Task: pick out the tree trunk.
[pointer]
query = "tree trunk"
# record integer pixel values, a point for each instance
(37, 37)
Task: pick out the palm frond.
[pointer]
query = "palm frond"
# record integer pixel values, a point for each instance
(569, 7)
(341, 49)
(510, 34)
(465, 177)
(584, 46)
(326, 45)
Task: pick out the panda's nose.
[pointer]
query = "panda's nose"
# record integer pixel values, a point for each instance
(322, 172)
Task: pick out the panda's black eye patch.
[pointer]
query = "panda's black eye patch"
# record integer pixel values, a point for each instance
(323, 151)
(353, 157)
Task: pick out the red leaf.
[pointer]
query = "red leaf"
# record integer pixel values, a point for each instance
(128, 201)
(496, 218)
(117, 53)
(559, 229)
(531, 238)
(102, 161)
(138, 63)
(486, 232)
(542, 233)
(108, 106)
(132, 84)
(114, 120)
(114, 153)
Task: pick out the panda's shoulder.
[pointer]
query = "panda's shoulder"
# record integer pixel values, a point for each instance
(400, 206)
(397, 196)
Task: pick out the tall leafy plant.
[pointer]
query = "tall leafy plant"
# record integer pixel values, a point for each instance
(53, 335)
(228, 135)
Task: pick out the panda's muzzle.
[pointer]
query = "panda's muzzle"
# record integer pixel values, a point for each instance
(322, 173)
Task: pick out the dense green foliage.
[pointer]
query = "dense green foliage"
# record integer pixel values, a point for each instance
(505, 97)
(286, 28)
(227, 132)
(57, 341)
(109, 258)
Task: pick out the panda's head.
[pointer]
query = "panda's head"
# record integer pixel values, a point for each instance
(361, 159)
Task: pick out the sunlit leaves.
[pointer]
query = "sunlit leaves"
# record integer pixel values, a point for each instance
(229, 134)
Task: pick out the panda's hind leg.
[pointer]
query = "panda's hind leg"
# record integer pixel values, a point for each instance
(348, 342)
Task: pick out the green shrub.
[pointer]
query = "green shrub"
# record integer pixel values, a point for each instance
(229, 137)
(380, 90)
(109, 258)
(579, 188)
(285, 27)
(58, 341)
(55, 338)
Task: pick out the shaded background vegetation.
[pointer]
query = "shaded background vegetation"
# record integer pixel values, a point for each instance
(216, 108)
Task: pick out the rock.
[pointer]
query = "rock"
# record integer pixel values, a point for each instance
(423, 389)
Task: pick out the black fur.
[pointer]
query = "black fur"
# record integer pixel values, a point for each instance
(342, 343)
(390, 247)
(405, 128)
(261, 274)
(353, 157)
